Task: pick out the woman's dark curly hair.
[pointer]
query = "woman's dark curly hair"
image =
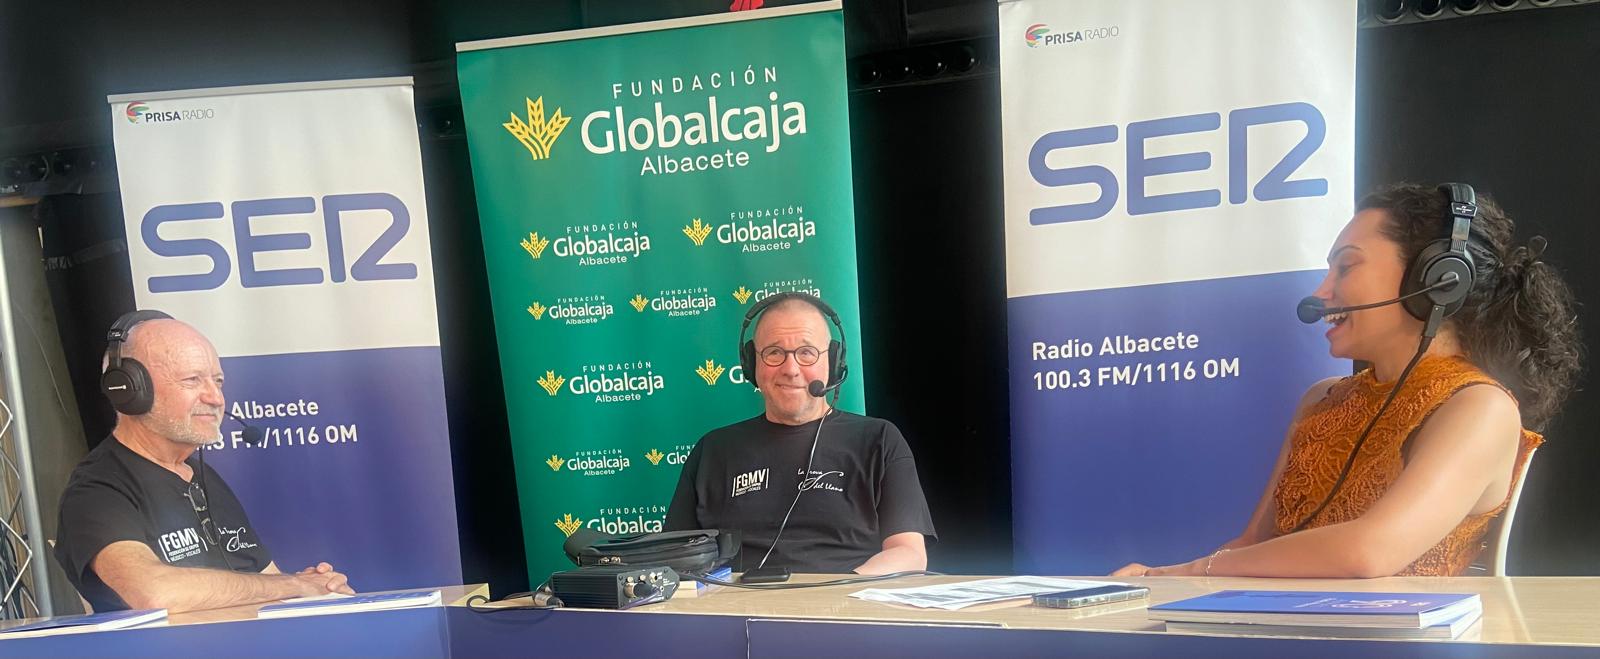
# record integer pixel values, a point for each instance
(1518, 324)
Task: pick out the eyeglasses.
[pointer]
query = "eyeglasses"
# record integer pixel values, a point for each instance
(803, 355)
(197, 499)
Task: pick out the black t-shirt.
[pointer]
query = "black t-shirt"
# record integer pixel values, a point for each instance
(862, 488)
(116, 494)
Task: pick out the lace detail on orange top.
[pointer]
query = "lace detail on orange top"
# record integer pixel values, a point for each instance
(1328, 430)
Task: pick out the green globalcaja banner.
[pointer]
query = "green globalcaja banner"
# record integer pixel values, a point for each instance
(639, 187)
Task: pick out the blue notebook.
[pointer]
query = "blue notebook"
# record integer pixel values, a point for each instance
(96, 621)
(1316, 608)
(350, 603)
(1448, 630)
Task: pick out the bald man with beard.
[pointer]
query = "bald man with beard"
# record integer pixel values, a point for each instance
(143, 523)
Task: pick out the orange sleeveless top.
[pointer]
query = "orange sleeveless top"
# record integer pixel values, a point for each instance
(1322, 440)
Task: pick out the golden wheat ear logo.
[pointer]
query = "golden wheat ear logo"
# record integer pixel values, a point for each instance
(534, 244)
(639, 302)
(538, 133)
(742, 295)
(654, 456)
(697, 232)
(569, 524)
(536, 310)
(555, 463)
(710, 372)
(551, 382)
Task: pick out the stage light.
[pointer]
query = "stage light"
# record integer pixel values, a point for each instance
(10, 171)
(23, 169)
(1388, 11)
(1429, 8)
(1504, 4)
(1466, 7)
(964, 60)
(62, 163)
(867, 73)
(38, 168)
(896, 71)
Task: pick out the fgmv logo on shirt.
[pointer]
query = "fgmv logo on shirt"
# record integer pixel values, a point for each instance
(180, 544)
(754, 481)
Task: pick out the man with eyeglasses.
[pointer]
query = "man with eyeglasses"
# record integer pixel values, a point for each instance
(144, 523)
(810, 488)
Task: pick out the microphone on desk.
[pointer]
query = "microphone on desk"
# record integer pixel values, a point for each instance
(1310, 309)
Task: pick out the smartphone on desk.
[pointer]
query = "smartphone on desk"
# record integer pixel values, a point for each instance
(1082, 597)
(765, 575)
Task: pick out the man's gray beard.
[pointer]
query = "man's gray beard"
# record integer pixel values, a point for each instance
(181, 433)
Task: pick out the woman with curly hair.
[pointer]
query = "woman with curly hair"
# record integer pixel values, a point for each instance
(1375, 480)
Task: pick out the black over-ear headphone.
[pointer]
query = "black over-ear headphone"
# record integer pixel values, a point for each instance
(126, 382)
(1442, 258)
(837, 369)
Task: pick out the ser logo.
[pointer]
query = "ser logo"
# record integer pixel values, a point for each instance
(1273, 185)
(248, 243)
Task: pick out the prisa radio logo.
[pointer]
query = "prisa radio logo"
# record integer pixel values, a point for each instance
(1040, 34)
(140, 112)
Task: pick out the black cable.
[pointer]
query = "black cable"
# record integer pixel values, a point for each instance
(475, 600)
(1350, 462)
(799, 488)
(207, 494)
(10, 608)
(820, 584)
(550, 599)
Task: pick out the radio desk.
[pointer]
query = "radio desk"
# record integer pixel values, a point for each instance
(1523, 617)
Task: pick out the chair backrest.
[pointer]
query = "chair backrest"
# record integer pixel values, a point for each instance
(1492, 560)
(81, 600)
